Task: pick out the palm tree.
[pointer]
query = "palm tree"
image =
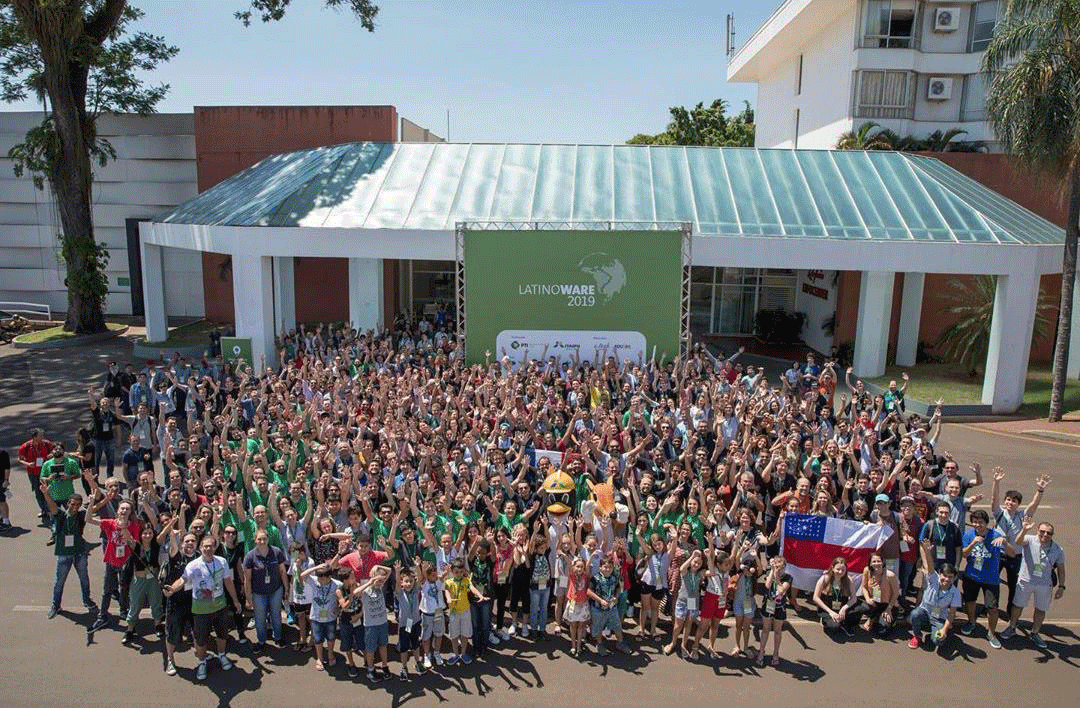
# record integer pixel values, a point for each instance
(1034, 105)
(863, 139)
(940, 142)
(971, 302)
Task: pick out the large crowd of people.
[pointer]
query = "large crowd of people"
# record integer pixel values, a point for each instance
(368, 490)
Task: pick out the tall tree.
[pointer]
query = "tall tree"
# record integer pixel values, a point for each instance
(702, 125)
(79, 59)
(1033, 102)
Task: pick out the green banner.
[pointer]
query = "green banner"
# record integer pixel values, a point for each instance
(573, 292)
(233, 348)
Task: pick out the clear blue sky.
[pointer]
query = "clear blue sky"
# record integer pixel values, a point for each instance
(535, 71)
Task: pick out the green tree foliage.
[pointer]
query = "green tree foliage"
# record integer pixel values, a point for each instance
(699, 125)
(871, 136)
(971, 303)
(1033, 102)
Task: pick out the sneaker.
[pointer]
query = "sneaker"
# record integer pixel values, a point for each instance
(427, 662)
(100, 622)
(967, 629)
(525, 632)
(404, 675)
(504, 635)
(353, 672)
(170, 669)
(200, 673)
(994, 641)
(53, 612)
(452, 660)
(240, 637)
(468, 659)
(1007, 633)
(51, 541)
(1039, 641)
(371, 676)
(128, 636)
(438, 659)
(623, 647)
(510, 632)
(5, 525)
(913, 643)
(251, 623)
(493, 639)
(224, 661)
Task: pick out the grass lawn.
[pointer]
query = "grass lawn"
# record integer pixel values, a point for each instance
(951, 382)
(57, 334)
(188, 335)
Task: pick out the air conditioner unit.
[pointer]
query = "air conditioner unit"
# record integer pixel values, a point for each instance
(939, 88)
(946, 19)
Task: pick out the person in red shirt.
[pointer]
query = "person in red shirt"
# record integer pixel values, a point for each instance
(32, 454)
(363, 559)
(121, 535)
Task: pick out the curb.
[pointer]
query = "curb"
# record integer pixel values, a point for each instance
(73, 341)
(955, 410)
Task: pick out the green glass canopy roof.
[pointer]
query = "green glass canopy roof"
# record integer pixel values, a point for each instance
(809, 194)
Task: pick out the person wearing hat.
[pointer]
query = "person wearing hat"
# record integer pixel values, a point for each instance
(885, 517)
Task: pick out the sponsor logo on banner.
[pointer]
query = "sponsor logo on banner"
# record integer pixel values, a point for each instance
(566, 345)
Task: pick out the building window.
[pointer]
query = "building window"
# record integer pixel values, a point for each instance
(889, 23)
(973, 106)
(884, 94)
(726, 300)
(983, 21)
(798, 77)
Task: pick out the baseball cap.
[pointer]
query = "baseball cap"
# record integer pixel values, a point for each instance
(881, 499)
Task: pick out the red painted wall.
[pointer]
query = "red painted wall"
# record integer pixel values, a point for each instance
(229, 139)
(1001, 174)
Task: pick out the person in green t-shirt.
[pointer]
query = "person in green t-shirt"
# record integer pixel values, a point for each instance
(58, 472)
(71, 549)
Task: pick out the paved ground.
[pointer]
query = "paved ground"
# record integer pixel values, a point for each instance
(46, 662)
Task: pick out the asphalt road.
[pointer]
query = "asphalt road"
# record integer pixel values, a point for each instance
(52, 662)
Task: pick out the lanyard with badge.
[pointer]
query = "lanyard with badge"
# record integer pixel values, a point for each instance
(939, 547)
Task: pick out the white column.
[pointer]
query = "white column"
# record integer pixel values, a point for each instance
(1073, 369)
(284, 294)
(366, 293)
(1010, 340)
(253, 298)
(153, 279)
(907, 339)
(872, 328)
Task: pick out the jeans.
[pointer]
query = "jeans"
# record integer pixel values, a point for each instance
(35, 482)
(267, 604)
(145, 589)
(906, 575)
(921, 621)
(64, 564)
(106, 449)
(481, 622)
(538, 608)
(114, 585)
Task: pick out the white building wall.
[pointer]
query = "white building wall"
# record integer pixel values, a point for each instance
(154, 171)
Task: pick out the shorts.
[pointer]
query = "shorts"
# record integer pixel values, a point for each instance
(1025, 589)
(606, 619)
(459, 625)
(298, 610)
(712, 606)
(683, 611)
(742, 606)
(377, 636)
(350, 636)
(432, 625)
(778, 614)
(990, 592)
(216, 621)
(653, 591)
(323, 632)
(576, 611)
(177, 617)
(408, 640)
